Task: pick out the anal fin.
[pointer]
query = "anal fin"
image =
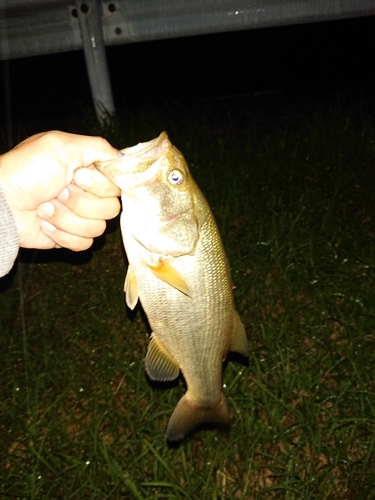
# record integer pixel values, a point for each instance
(159, 363)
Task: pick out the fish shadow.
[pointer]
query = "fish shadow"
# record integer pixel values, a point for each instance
(237, 358)
(162, 385)
(223, 429)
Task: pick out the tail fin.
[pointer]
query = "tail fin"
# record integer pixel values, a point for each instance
(188, 416)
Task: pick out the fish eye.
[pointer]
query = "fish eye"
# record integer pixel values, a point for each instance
(176, 177)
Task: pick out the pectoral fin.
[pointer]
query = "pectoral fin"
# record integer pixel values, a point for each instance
(159, 363)
(131, 288)
(239, 341)
(169, 275)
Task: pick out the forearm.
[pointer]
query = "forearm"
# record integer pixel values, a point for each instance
(9, 244)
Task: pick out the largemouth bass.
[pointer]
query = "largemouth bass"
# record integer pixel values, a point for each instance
(179, 271)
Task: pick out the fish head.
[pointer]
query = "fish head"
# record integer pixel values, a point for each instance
(159, 191)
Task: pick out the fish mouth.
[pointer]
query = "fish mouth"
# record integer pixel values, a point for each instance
(151, 149)
(135, 160)
(144, 155)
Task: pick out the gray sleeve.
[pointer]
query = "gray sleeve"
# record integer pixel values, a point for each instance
(9, 243)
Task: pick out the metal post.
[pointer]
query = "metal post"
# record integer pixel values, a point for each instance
(96, 61)
(4, 52)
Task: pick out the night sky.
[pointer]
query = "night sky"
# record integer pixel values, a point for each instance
(330, 54)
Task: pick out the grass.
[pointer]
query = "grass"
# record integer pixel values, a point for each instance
(290, 181)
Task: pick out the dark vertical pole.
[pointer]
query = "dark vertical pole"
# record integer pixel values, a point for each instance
(96, 61)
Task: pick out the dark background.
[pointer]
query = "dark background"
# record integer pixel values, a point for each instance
(318, 55)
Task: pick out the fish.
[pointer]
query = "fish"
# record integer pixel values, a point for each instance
(178, 270)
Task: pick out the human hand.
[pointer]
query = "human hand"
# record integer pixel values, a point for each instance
(57, 198)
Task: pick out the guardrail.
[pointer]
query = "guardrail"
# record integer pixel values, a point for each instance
(35, 27)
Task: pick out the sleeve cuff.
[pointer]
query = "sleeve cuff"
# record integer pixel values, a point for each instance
(9, 242)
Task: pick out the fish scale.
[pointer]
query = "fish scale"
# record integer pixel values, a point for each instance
(179, 271)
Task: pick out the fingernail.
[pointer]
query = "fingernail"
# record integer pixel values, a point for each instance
(64, 195)
(47, 226)
(82, 178)
(46, 209)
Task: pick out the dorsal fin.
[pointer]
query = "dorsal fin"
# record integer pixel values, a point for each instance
(239, 341)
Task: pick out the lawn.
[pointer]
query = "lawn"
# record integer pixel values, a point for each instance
(290, 178)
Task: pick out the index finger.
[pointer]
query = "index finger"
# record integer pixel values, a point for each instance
(93, 181)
